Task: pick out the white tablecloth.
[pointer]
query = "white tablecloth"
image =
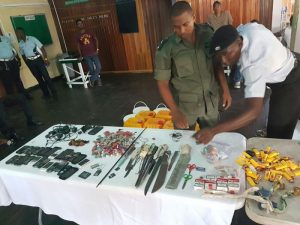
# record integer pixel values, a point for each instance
(116, 201)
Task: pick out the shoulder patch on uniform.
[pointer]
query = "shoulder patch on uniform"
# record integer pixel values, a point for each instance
(207, 26)
(162, 43)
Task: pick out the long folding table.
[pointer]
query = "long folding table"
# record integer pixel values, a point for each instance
(116, 200)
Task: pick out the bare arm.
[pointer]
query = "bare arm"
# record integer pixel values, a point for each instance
(45, 55)
(253, 109)
(178, 117)
(219, 72)
(79, 50)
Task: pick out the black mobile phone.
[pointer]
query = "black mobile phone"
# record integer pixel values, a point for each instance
(47, 165)
(95, 130)
(79, 158)
(83, 162)
(84, 174)
(41, 162)
(68, 172)
(86, 127)
(12, 159)
(23, 149)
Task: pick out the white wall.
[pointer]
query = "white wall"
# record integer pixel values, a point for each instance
(276, 16)
(20, 7)
(296, 27)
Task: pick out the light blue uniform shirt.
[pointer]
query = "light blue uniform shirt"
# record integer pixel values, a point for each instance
(28, 48)
(6, 48)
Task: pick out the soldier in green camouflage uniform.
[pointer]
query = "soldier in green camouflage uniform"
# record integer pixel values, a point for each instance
(184, 71)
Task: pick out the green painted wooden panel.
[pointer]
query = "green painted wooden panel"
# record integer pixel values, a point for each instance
(34, 25)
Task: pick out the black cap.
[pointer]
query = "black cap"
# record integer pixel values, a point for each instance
(223, 37)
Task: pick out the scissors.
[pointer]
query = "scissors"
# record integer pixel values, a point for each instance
(186, 178)
(191, 167)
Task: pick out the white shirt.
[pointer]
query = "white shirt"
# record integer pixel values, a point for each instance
(30, 46)
(263, 59)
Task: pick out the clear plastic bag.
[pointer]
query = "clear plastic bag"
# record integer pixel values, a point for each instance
(216, 151)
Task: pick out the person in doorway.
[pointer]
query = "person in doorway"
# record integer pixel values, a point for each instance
(35, 57)
(263, 60)
(9, 68)
(88, 48)
(184, 71)
(218, 17)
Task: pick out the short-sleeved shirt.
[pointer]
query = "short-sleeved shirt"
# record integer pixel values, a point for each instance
(190, 72)
(87, 43)
(263, 59)
(29, 47)
(6, 48)
(218, 21)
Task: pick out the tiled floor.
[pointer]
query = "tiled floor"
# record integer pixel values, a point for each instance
(105, 105)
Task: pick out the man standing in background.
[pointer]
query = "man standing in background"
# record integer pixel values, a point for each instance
(88, 48)
(218, 17)
(9, 67)
(185, 74)
(36, 62)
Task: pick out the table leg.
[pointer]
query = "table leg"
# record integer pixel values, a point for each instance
(67, 75)
(83, 77)
(40, 222)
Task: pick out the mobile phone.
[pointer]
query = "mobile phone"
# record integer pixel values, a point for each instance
(12, 159)
(98, 171)
(86, 127)
(84, 175)
(79, 158)
(68, 172)
(41, 162)
(95, 130)
(83, 162)
(47, 165)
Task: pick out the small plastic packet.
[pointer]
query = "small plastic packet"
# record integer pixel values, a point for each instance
(216, 151)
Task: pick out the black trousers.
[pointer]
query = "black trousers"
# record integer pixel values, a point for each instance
(11, 100)
(39, 71)
(10, 77)
(284, 109)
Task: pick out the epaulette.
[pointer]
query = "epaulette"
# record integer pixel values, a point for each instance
(162, 43)
(206, 25)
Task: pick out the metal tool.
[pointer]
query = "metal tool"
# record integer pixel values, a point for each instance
(161, 177)
(181, 165)
(125, 157)
(186, 178)
(191, 167)
(135, 157)
(162, 151)
(146, 165)
(173, 159)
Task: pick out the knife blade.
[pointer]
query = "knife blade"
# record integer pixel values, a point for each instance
(145, 165)
(163, 149)
(173, 159)
(161, 177)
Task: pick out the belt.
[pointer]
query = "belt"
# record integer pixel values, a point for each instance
(7, 60)
(33, 57)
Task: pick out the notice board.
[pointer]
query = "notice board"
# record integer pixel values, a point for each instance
(34, 25)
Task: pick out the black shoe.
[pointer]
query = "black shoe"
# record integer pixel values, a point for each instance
(99, 83)
(92, 83)
(32, 123)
